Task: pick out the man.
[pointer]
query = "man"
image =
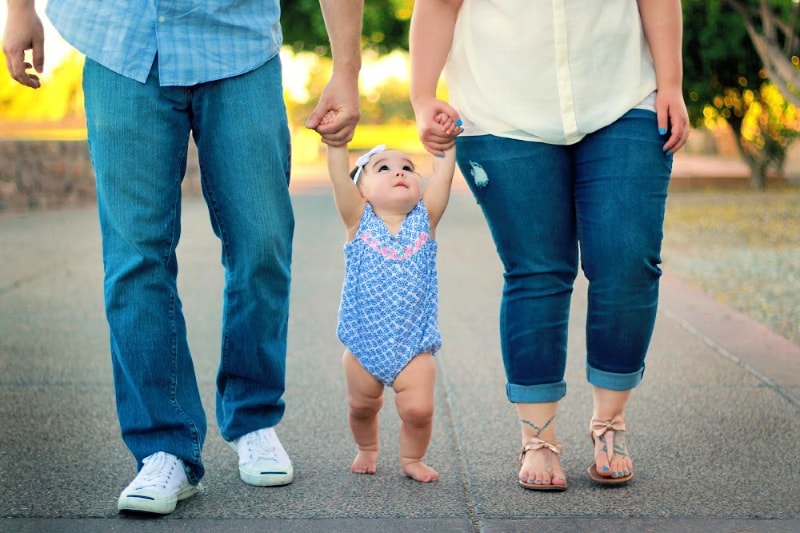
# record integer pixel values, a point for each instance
(154, 74)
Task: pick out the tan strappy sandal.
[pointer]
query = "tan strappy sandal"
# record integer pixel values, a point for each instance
(613, 434)
(534, 445)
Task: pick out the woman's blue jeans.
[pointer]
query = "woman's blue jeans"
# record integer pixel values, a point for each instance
(600, 201)
(138, 139)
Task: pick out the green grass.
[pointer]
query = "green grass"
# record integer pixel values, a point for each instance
(741, 247)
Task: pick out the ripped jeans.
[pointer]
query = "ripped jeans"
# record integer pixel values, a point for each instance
(601, 200)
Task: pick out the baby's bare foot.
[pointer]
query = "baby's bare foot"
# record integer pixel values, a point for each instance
(419, 471)
(365, 462)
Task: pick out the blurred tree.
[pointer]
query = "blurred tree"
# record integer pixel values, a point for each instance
(725, 76)
(772, 28)
(385, 25)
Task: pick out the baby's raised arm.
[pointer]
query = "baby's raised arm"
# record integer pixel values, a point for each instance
(437, 192)
(349, 201)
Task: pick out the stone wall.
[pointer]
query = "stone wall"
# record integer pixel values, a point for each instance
(37, 175)
(44, 175)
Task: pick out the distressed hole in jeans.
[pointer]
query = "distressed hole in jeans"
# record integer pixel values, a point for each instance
(479, 175)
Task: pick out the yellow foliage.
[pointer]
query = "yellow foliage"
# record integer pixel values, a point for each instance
(60, 97)
(767, 117)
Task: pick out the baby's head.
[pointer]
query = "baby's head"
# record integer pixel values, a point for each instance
(387, 176)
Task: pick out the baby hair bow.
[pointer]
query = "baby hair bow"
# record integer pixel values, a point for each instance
(364, 159)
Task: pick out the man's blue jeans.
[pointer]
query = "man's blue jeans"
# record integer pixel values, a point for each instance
(138, 139)
(600, 201)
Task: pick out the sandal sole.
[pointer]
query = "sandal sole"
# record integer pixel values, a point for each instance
(603, 480)
(533, 486)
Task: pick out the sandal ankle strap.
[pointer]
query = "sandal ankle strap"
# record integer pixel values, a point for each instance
(537, 444)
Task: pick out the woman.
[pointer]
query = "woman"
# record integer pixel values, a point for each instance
(571, 112)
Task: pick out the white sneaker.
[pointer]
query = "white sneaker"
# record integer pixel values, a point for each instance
(158, 486)
(262, 460)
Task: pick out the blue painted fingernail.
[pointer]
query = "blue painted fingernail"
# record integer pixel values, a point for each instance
(662, 131)
(458, 122)
(441, 154)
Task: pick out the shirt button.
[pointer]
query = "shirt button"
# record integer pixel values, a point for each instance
(161, 19)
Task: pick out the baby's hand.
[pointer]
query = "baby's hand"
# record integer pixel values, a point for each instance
(328, 118)
(449, 126)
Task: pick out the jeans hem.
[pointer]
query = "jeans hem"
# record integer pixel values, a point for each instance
(542, 393)
(612, 380)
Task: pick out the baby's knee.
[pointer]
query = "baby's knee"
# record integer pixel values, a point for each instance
(417, 413)
(364, 408)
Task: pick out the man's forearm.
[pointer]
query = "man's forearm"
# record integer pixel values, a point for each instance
(343, 20)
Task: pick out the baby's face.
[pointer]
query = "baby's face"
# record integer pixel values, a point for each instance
(391, 176)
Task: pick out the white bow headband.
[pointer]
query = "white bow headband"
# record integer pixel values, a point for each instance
(364, 159)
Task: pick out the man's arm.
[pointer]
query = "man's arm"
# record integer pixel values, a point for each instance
(24, 31)
(343, 20)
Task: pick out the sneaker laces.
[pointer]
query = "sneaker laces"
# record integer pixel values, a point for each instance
(261, 447)
(157, 470)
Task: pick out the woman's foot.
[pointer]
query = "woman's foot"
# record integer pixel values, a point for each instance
(366, 462)
(421, 472)
(612, 462)
(541, 469)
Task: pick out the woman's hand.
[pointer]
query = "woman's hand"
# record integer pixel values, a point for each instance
(438, 125)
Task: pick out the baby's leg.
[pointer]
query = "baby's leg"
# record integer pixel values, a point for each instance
(364, 400)
(414, 399)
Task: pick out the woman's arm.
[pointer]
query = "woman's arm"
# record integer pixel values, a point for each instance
(430, 38)
(663, 27)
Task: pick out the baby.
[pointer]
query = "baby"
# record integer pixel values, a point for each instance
(388, 316)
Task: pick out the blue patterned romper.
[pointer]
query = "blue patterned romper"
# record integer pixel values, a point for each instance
(389, 308)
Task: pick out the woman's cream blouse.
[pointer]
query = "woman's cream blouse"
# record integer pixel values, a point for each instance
(548, 70)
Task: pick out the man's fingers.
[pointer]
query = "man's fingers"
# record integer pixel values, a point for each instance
(37, 55)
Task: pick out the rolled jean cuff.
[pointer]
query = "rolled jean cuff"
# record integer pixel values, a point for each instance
(613, 381)
(544, 393)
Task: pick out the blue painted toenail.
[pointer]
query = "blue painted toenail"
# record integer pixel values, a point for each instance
(606, 469)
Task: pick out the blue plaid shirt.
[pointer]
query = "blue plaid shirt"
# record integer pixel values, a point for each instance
(196, 41)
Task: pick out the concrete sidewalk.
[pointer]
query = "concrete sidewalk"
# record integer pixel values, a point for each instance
(713, 429)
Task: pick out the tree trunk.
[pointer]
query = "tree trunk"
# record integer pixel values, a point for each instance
(756, 162)
(758, 177)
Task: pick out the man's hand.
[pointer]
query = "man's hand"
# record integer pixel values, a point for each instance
(337, 111)
(24, 31)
